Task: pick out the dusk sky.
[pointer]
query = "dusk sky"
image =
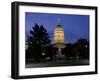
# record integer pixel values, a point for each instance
(75, 26)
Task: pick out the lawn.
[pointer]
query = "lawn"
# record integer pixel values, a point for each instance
(56, 63)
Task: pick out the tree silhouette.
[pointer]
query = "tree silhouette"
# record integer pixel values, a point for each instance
(50, 51)
(78, 50)
(68, 51)
(37, 41)
(82, 48)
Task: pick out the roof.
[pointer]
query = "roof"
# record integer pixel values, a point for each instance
(59, 28)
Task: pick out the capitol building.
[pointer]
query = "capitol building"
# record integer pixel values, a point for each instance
(59, 41)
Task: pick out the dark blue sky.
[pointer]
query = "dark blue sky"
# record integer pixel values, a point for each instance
(75, 26)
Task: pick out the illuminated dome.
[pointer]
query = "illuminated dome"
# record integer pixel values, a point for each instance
(59, 34)
(59, 41)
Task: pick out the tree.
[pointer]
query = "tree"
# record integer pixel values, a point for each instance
(82, 48)
(68, 51)
(37, 41)
(50, 52)
(78, 50)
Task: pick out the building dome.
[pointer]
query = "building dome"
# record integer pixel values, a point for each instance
(59, 34)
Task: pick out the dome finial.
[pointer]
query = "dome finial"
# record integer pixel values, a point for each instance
(58, 21)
